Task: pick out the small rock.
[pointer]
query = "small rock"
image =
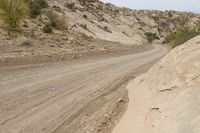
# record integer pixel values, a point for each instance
(120, 100)
(57, 8)
(25, 25)
(53, 88)
(104, 122)
(92, 47)
(69, 41)
(84, 26)
(107, 116)
(85, 16)
(62, 43)
(71, 38)
(107, 29)
(51, 45)
(10, 43)
(70, 5)
(74, 57)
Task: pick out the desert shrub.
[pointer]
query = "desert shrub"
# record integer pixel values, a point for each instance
(24, 41)
(56, 21)
(36, 6)
(182, 35)
(12, 12)
(47, 28)
(151, 36)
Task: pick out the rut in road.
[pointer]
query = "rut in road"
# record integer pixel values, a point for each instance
(46, 99)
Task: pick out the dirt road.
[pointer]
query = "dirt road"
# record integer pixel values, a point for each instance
(46, 98)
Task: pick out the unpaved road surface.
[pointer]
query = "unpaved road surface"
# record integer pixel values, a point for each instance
(47, 98)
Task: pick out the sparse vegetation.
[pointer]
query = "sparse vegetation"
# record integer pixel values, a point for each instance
(47, 28)
(182, 35)
(24, 41)
(12, 12)
(151, 36)
(36, 6)
(56, 21)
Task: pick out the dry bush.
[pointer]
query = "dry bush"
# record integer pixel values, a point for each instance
(12, 12)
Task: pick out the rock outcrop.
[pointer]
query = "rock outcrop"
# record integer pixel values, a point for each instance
(108, 22)
(166, 99)
(93, 18)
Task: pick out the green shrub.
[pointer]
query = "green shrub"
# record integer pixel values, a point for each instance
(182, 35)
(151, 36)
(56, 21)
(36, 6)
(47, 28)
(12, 12)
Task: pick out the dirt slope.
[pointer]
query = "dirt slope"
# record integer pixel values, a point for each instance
(48, 97)
(166, 99)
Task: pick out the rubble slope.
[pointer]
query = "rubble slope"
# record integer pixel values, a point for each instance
(106, 21)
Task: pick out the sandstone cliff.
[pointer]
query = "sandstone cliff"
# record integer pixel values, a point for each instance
(167, 98)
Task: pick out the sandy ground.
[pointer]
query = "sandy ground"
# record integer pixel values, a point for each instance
(41, 51)
(47, 98)
(138, 100)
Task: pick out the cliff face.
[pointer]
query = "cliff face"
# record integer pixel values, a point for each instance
(106, 21)
(166, 99)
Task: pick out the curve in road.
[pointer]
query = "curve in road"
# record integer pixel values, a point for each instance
(46, 99)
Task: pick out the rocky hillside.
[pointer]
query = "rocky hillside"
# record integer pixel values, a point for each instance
(106, 21)
(91, 26)
(93, 18)
(166, 99)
